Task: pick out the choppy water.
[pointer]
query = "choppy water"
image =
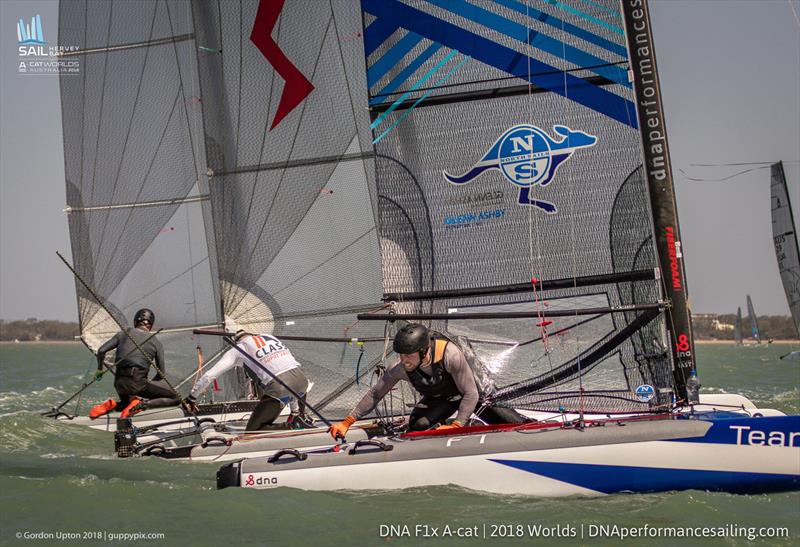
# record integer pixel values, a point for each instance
(57, 479)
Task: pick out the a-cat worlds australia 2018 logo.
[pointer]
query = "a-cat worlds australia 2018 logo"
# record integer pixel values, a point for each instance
(527, 156)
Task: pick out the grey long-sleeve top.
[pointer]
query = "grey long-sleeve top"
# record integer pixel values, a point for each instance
(454, 363)
(128, 355)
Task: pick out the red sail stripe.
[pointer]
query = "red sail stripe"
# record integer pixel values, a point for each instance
(297, 86)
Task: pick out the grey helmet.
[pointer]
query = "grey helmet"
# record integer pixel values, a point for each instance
(144, 315)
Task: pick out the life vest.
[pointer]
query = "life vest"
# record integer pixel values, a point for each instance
(439, 383)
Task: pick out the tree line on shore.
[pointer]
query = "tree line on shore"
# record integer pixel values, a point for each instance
(720, 327)
(706, 327)
(34, 330)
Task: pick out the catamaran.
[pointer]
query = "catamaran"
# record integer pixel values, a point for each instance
(498, 171)
(195, 199)
(524, 202)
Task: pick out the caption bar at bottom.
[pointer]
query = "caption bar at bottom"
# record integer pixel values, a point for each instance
(489, 531)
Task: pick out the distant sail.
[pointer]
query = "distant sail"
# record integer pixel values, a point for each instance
(737, 329)
(784, 236)
(751, 315)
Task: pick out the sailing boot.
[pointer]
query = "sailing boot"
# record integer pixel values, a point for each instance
(102, 409)
(134, 407)
(299, 421)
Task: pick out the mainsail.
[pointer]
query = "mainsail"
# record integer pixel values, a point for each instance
(784, 236)
(290, 158)
(139, 214)
(751, 317)
(216, 172)
(509, 180)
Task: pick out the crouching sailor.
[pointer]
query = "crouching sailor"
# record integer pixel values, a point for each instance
(273, 355)
(438, 370)
(132, 367)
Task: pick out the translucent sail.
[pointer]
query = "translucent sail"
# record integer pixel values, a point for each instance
(135, 165)
(508, 179)
(784, 235)
(290, 162)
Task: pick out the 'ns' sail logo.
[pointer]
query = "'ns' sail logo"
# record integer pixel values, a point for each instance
(527, 156)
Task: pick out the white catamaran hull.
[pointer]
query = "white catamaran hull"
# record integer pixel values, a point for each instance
(220, 447)
(726, 453)
(226, 441)
(172, 418)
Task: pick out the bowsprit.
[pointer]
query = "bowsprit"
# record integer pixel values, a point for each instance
(527, 156)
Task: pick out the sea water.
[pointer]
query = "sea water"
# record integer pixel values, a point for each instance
(61, 484)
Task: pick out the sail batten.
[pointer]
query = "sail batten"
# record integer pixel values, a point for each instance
(495, 93)
(119, 47)
(549, 284)
(133, 205)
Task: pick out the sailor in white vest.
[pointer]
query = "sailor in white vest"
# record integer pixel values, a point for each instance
(273, 355)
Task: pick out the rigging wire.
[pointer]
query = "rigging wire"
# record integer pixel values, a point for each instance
(572, 216)
(722, 179)
(759, 164)
(741, 163)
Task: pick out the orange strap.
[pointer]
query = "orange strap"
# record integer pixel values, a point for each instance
(438, 350)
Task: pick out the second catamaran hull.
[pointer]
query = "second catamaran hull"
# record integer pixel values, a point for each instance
(721, 454)
(170, 419)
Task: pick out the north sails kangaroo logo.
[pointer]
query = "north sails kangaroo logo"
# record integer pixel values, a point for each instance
(527, 156)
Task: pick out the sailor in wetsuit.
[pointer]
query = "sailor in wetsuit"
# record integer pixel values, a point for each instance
(437, 369)
(272, 355)
(130, 376)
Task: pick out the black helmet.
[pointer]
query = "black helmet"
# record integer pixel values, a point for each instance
(144, 315)
(412, 338)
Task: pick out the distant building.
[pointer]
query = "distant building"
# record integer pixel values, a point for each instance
(717, 325)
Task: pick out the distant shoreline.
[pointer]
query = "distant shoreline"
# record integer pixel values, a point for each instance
(40, 342)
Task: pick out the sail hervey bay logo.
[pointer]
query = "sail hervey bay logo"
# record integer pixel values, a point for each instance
(527, 157)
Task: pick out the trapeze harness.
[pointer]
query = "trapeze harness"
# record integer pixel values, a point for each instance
(439, 384)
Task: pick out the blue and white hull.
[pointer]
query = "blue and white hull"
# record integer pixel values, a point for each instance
(720, 452)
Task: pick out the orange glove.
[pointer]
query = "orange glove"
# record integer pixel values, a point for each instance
(453, 425)
(340, 430)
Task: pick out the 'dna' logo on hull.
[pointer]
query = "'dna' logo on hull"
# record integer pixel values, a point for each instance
(527, 156)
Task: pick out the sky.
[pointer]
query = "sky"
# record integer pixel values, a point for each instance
(730, 77)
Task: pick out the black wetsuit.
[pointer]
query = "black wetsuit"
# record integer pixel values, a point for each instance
(130, 376)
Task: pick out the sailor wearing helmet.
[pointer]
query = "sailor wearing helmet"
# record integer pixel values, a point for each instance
(437, 369)
(273, 355)
(136, 349)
